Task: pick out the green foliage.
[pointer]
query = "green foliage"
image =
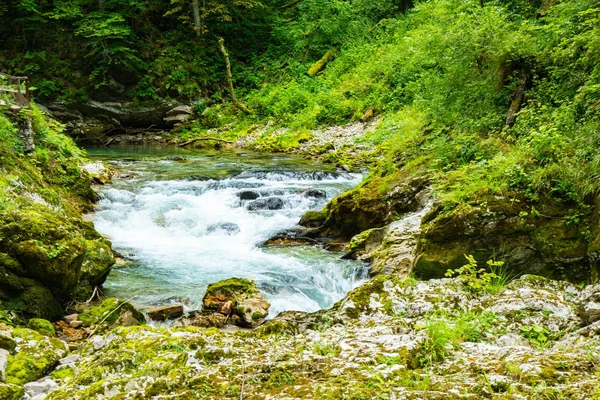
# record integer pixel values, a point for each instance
(441, 336)
(478, 279)
(536, 334)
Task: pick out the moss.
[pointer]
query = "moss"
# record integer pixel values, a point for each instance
(96, 266)
(108, 313)
(258, 315)
(38, 301)
(232, 286)
(11, 392)
(42, 326)
(320, 65)
(7, 343)
(36, 357)
(277, 327)
(313, 219)
(62, 374)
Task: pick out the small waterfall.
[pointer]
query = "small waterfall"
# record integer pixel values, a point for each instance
(186, 233)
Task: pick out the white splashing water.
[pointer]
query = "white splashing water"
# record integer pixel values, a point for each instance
(185, 234)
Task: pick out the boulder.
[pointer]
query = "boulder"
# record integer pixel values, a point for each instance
(111, 313)
(239, 297)
(42, 326)
(162, 313)
(99, 173)
(36, 356)
(269, 203)
(248, 195)
(316, 193)
(313, 219)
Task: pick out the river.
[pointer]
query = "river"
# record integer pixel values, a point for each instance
(186, 218)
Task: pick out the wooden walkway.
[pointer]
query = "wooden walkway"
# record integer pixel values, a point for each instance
(14, 92)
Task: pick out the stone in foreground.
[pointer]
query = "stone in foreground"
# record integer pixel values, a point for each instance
(237, 297)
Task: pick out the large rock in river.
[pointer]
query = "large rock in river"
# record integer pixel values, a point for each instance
(237, 297)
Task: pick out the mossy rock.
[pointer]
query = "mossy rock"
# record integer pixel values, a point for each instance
(227, 290)
(38, 301)
(11, 392)
(239, 297)
(7, 343)
(36, 356)
(313, 219)
(42, 326)
(95, 268)
(111, 313)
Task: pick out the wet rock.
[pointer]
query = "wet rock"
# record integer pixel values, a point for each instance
(99, 173)
(245, 298)
(288, 239)
(162, 313)
(315, 193)
(227, 228)
(313, 219)
(270, 203)
(248, 195)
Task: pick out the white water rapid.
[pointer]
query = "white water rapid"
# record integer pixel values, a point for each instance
(184, 230)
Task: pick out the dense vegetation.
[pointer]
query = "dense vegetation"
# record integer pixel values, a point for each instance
(443, 73)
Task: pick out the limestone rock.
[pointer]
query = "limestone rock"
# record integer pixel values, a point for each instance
(590, 304)
(162, 313)
(99, 173)
(244, 298)
(3, 363)
(36, 355)
(42, 387)
(111, 313)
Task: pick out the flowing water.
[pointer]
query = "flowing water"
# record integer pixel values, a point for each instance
(178, 215)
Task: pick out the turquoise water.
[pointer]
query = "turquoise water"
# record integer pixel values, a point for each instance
(177, 214)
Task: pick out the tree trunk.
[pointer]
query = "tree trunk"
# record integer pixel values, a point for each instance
(235, 101)
(197, 23)
(517, 98)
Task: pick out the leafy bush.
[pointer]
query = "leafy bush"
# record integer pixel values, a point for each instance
(477, 279)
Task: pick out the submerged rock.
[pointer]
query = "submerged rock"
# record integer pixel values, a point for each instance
(240, 297)
(248, 195)
(227, 228)
(269, 203)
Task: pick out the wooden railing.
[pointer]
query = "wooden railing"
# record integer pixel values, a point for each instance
(14, 91)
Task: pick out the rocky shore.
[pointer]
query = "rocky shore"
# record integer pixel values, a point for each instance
(390, 338)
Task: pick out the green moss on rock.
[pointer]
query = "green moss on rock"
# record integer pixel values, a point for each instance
(36, 356)
(112, 312)
(11, 392)
(42, 326)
